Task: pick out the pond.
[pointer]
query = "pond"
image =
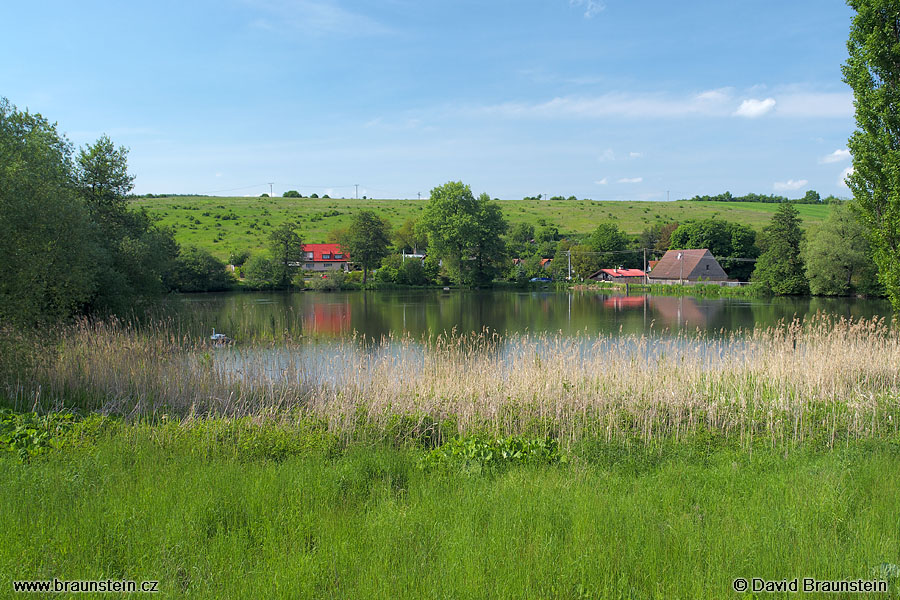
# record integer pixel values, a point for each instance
(418, 313)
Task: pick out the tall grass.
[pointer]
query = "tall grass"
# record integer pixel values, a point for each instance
(827, 380)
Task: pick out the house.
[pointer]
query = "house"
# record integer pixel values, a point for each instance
(545, 263)
(687, 266)
(324, 257)
(619, 275)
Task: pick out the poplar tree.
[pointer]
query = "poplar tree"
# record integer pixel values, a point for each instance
(873, 72)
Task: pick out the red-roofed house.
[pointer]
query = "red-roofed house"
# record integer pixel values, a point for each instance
(619, 275)
(324, 257)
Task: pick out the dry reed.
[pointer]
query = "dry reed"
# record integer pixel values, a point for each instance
(827, 379)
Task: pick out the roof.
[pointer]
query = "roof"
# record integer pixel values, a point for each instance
(689, 264)
(616, 273)
(653, 263)
(544, 261)
(320, 251)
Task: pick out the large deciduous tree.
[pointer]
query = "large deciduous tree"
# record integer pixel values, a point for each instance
(287, 252)
(367, 240)
(465, 232)
(48, 244)
(837, 255)
(779, 269)
(873, 72)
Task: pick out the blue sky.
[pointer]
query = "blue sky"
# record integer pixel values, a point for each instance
(611, 100)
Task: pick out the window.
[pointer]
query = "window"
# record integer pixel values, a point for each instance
(338, 256)
(707, 266)
(326, 257)
(308, 254)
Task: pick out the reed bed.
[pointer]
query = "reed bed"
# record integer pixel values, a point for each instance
(826, 379)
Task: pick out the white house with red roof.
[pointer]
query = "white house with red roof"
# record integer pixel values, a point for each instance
(324, 257)
(621, 275)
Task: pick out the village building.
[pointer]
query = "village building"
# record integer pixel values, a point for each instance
(619, 275)
(688, 266)
(324, 257)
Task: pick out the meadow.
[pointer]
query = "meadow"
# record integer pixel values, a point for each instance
(237, 509)
(223, 224)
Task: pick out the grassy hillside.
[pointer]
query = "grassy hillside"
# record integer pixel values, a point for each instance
(222, 224)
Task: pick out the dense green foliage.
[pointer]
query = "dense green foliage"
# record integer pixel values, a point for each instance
(48, 242)
(196, 270)
(724, 239)
(837, 256)
(779, 269)
(465, 232)
(69, 241)
(873, 71)
(286, 248)
(367, 240)
(810, 197)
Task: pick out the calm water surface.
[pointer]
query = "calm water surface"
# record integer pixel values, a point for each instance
(417, 313)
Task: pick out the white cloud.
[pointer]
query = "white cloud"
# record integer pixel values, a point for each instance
(811, 105)
(635, 154)
(591, 7)
(630, 180)
(755, 108)
(607, 155)
(603, 181)
(790, 184)
(836, 156)
(844, 174)
(613, 104)
(218, 174)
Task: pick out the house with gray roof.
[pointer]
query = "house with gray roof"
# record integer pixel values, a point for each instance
(687, 266)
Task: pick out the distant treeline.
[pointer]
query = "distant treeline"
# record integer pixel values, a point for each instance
(168, 196)
(811, 197)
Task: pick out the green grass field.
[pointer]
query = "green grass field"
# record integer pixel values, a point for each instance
(218, 509)
(222, 224)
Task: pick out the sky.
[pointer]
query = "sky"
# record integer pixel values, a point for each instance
(609, 100)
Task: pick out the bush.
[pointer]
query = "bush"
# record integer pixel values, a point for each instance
(260, 272)
(196, 270)
(291, 194)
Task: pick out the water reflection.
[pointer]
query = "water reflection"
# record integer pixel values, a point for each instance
(423, 313)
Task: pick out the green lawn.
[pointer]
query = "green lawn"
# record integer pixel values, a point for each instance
(222, 224)
(213, 510)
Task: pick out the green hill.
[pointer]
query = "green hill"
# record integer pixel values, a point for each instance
(222, 224)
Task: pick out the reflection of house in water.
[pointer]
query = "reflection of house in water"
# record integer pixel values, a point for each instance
(625, 302)
(678, 312)
(327, 319)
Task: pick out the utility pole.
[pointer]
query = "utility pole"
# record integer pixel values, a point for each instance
(419, 194)
(356, 185)
(681, 264)
(270, 188)
(645, 265)
(569, 254)
(667, 195)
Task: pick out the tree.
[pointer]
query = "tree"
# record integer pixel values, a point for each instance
(291, 194)
(610, 241)
(410, 236)
(780, 267)
(137, 253)
(465, 232)
(811, 197)
(873, 72)
(837, 255)
(585, 262)
(287, 251)
(48, 244)
(367, 240)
